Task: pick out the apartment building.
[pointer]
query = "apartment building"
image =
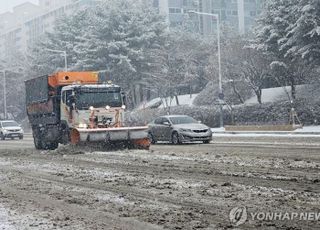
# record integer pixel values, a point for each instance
(27, 22)
(239, 15)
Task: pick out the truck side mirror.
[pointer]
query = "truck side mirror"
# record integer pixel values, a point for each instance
(71, 100)
(124, 98)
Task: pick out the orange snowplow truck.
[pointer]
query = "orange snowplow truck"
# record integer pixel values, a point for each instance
(79, 107)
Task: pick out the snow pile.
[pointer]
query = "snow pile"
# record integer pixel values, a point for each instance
(309, 129)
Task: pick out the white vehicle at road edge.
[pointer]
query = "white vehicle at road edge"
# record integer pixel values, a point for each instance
(10, 129)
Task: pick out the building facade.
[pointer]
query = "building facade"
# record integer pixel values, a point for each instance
(239, 15)
(25, 25)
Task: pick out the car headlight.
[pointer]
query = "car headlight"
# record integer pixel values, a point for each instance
(5, 131)
(83, 126)
(185, 130)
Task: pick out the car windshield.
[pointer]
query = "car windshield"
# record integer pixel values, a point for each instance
(9, 124)
(98, 99)
(182, 120)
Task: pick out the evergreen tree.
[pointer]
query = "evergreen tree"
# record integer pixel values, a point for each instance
(304, 35)
(272, 36)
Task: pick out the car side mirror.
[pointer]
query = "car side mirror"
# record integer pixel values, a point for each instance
(166, 123)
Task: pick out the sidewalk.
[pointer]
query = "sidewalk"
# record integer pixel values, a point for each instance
(308, 131)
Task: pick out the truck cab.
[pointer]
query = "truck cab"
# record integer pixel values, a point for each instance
(92, 106)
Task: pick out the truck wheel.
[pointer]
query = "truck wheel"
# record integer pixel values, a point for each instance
(151, 138)
(38, 143)
(53, 146)
(49, 146)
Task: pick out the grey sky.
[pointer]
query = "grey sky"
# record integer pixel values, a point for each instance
(6, 5)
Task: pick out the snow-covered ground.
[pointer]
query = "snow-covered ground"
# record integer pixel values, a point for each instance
(308, 131)
(268, 95)
(281, 94)
(315, 129)
(186, 99)
(4, 219)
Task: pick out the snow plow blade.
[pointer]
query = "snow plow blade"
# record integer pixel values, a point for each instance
(137, 137)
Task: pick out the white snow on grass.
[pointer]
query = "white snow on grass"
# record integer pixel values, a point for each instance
(276, 94)
(186, 99)
(268, 95)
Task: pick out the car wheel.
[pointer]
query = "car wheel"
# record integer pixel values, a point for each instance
(175, 139)
(21, 137)
(151, 138)
(206, 142)
(2, 136)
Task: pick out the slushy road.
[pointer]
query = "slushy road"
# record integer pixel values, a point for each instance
(192, 186)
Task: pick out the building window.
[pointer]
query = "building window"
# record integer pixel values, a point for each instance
(155, 3)
(234, 12)
(216, 11)
(253, 13)
(175, 10)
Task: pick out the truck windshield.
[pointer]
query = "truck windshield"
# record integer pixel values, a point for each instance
(98, 99)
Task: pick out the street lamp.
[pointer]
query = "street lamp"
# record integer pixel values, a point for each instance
(64, 53)
(4, 93)
(5, 90)
(221, 96)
